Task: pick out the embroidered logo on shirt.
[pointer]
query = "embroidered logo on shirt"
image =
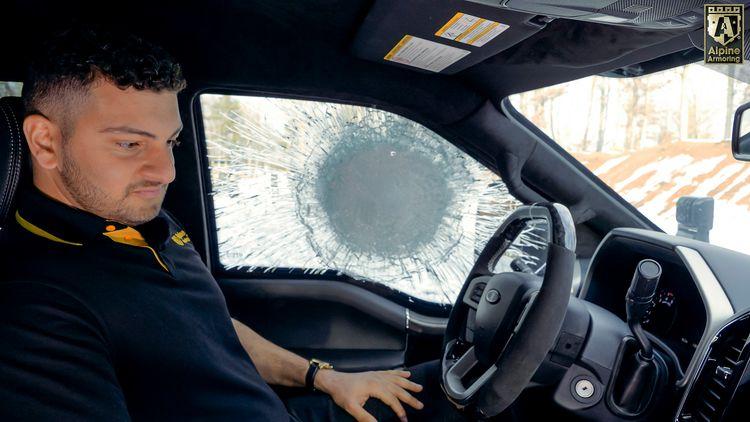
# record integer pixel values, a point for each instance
(180, 238)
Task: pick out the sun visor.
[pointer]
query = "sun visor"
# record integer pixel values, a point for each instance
(439, 36)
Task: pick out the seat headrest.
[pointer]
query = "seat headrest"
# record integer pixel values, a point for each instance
(12, 154)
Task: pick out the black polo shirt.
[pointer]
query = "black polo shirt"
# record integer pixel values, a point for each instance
(101, 321)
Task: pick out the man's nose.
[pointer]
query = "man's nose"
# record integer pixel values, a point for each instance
(159, 165)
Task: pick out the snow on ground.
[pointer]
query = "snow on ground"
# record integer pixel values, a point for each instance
(719, 177)
(609, 165)
(731, 226)
(653, 179)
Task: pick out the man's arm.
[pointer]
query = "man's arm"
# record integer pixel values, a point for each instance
(349, 390)
(54, 363)
(276, 365)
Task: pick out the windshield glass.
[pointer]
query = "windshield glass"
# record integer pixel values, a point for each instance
(654, 139)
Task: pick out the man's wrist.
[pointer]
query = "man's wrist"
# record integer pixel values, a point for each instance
(323, 379)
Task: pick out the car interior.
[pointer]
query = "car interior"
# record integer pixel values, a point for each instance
(568, 343)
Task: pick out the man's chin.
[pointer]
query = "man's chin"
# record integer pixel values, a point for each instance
(141, 215)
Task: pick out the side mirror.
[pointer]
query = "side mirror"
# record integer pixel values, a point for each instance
(741, 133)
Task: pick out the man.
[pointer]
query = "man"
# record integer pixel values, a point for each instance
(107, 310)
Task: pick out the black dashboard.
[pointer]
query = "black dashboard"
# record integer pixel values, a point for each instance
(677, 315)
(701, 313)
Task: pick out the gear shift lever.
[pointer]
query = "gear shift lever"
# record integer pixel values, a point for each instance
(638, 301)
(639, 373)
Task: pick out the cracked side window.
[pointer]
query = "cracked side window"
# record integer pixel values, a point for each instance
(10, 89)
(309, 187)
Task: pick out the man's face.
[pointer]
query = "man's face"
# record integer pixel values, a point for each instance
(117, 161)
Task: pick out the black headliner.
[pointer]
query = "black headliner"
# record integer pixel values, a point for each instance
(303, 47)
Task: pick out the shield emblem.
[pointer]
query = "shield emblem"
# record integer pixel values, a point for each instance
(724, 27)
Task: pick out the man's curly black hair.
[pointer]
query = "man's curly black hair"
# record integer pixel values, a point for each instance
(68, 64)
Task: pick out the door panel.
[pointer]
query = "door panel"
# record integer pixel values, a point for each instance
(349, 326)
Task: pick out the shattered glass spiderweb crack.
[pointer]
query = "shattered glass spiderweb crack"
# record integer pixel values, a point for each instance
(322, 186)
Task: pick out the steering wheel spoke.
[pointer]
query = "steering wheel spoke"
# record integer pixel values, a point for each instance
(458, 372)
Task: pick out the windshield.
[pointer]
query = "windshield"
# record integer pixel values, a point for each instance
(654, 139)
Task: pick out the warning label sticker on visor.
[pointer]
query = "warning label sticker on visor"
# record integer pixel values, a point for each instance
(471, 30)
(424, 54)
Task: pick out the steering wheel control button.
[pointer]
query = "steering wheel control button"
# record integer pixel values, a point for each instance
(492, 296)
(584, 388)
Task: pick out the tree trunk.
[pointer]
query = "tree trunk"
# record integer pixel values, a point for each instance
(642, 113)
(585, 141)
(632, 112)
(683, 107)
(551, 103)
(603, 101)
(692, 117)
(729, 108)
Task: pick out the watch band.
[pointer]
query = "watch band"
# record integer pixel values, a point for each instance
(312, 370)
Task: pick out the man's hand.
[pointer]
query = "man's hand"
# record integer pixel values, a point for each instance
(351, 391)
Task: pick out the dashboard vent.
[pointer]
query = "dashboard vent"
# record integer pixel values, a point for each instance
(476, 294)
(717, 381)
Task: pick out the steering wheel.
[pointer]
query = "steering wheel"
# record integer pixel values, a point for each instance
(503, 325)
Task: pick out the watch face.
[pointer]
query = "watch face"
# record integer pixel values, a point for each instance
(320, 364)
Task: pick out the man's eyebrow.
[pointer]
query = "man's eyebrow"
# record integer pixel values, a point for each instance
(136, 131)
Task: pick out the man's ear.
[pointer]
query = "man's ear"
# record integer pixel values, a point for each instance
(44, 139)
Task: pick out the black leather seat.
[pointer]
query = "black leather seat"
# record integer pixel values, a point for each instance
(13, 153)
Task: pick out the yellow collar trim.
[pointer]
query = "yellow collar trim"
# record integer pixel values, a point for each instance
(128, 236)
(131, 236)
(41, 232)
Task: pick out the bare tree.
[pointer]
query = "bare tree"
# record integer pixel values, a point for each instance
(697, 118)
(537, 106)
(729, 107)
(634, 115)
(592, 92)
(603, 86)
(683, 117)
(550, 96)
